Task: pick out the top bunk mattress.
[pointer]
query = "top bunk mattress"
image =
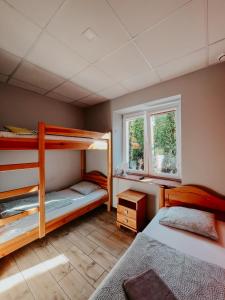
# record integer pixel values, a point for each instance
(189, 243)
(60, 203)
(8, 134)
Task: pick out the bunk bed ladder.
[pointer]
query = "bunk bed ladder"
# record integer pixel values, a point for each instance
(29, 189)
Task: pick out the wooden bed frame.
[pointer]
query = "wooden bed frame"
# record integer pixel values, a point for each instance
(41, 143)
(194, 197)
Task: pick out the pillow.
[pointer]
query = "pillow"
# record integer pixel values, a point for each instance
(18, 130)
(85, 187)
(193, 220)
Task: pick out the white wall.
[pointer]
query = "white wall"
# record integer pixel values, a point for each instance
(24, 109)
(62, 169)
(96, 160)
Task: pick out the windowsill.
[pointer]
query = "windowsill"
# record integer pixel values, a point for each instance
(150, 180)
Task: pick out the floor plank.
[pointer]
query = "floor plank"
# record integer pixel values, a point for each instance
(97, 283)
(37, 276)
(12, 284)
(82, 242)
(76, 286)
(103, 258)
(45, 251)
(84, 264)
(68, 263)
(107, 244)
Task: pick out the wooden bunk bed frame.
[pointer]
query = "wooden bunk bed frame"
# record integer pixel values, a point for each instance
(42, 143)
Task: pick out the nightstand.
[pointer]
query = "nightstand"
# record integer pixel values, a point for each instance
(131, 210)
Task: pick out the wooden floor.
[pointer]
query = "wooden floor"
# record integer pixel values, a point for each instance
(67, 264)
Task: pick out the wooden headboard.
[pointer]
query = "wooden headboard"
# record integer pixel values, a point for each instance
(96, 177)
(193, 196)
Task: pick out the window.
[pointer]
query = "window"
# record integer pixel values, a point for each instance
(135, 143)
(152, 141)
(163, 143)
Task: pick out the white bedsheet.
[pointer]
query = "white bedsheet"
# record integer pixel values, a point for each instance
(28, 223)
(98, 143)
(190, 243)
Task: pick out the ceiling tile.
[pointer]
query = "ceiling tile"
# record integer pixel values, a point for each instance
(215, 51)
(216, 20)
(124, 63)
(184, 65)
(36, 76)
(141, 81)
(16, 32)
(180, 34)
(71, 90)
(93, 99)
(8, 62)
(59, 97)
(55, 57)
(115, 91)
(38, 11)
(75, 17)
(93, 79)
(3, 78)
(139, 15)
(26, 86)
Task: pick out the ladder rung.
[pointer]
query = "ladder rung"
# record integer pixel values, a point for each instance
(19, 216)
(18, 192)
(12, 167)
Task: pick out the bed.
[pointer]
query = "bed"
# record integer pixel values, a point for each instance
(48, 215)
(192, 266)
(57, 204)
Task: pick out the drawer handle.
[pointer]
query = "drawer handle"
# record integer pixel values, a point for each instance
(126, 211)
(126, 221)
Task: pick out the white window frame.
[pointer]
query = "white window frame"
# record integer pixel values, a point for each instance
(157, 108)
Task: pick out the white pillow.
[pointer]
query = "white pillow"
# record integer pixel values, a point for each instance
(85, 187)
(193, 220)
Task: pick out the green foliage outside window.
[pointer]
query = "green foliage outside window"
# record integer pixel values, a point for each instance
(164, 140)
(136, 143)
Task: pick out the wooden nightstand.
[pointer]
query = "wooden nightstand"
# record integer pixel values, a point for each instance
(131, 210)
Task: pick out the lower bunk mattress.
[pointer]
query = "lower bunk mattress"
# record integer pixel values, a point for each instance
(57, 204)
(174, 256)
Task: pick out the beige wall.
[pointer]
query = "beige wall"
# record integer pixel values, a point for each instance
(23, 108)
(202, 122)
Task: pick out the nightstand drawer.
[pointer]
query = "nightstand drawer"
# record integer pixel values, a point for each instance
(126, 221)
(128, 212)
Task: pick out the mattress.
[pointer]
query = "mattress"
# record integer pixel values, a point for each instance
(8, 134)
(189, 243)
(73, 201)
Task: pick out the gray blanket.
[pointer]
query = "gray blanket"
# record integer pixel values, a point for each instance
(186, 276)
(13, 207)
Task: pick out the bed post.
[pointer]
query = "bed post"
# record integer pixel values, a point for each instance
(41, 158)
(83, 162)
(162, 196)
(109, 171)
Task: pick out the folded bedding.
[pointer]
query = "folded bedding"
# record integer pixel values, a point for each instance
(187, 277)
(147, 285)
(53, 200)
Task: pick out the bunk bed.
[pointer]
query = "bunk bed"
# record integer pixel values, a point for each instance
(52, 137)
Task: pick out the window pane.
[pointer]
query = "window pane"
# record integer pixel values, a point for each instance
(164, 148)
(135, 129)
